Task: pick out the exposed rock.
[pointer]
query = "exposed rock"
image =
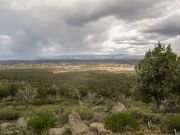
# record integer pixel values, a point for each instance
(162, 108)
(6, 126)
(99, 129)
(77, 126)
(119, 107)
(57, 131)
(21, 122)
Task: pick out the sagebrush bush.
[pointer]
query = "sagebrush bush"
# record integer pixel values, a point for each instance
(42, 123)
(171, 122)
(121, 122)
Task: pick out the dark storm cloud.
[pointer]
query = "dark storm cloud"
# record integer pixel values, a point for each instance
(169, 26)
(32, 29)
(129, 10)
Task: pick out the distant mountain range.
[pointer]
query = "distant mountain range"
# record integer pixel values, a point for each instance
(110, 57)
(124, 59)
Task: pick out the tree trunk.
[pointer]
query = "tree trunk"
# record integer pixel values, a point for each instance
(175, 132)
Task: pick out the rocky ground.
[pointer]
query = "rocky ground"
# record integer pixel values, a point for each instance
(74, 126)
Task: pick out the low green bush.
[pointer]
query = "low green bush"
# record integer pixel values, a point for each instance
(171, 122)
(41, 123)
(144, 117)
(83, 91)
(86, 114)
(4, 91)
(121, 122)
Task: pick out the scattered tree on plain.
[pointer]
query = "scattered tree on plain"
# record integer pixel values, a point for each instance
(156, 74)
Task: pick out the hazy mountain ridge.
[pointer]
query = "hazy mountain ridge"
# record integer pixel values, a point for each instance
(124, 59)
(80, 58)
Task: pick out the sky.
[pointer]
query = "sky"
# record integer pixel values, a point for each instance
(33, 29)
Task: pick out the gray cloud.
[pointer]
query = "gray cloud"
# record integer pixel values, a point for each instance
(122, 9)
(32, 29)
(168, 25)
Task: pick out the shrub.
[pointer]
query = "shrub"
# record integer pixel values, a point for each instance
(110, 104)
(52, 91)
(9, 114)
(144, 117)
(83, 91)
(42, 92)
(27, 94)
(4, 91)
(171, 122)
(42, 123)
(86, 114)
(121, 122)
(63, 118)
(13, 89)
(105, 92)
(64, 91)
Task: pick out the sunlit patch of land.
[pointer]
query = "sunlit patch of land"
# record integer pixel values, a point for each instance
(71, 67)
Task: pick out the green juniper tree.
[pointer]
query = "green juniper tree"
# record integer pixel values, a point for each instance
(156, 74)
(176, 88)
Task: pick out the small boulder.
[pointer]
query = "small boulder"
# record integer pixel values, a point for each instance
(99, 129)
(119, 107)
(21, 122)
(6, 126)
(77, 126)
(57, 131)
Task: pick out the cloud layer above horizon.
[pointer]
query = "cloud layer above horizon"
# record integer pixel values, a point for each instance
(32, 29)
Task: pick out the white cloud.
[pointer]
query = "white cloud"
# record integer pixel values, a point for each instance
(175, 43)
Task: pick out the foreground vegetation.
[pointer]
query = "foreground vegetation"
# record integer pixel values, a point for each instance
(39, 100)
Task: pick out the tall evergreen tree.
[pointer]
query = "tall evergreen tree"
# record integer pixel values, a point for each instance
(156, 74)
